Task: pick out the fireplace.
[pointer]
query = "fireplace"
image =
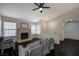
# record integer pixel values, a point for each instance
(24, 36)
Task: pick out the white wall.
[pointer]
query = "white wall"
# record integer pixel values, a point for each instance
(70, 15)
(71, 30)
(53, 27)
(58, 29)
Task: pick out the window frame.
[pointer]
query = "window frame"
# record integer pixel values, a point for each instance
(36, 30)
(8, 29)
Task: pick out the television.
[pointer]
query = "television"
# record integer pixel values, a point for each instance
(24, 36)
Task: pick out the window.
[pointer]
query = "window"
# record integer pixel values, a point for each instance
(35, 28)
(9, 29)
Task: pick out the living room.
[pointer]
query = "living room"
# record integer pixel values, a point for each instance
(27, 30)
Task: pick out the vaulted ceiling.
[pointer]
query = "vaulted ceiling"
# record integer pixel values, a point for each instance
(24, 10)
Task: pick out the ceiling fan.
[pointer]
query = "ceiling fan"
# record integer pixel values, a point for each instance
(40, 7)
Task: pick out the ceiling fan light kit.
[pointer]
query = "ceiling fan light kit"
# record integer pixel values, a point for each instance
(40, 7)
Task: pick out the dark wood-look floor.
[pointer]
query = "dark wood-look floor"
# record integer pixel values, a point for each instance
(68, 47)
(8, 52)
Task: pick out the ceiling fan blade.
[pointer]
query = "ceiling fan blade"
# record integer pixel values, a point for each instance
(43, 4)
(35, 9)
(46, 7)
(37, 4)
(40, 4)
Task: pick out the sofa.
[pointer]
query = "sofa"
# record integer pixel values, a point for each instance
(38, 48)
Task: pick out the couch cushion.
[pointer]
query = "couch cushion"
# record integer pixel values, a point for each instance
(34, 44)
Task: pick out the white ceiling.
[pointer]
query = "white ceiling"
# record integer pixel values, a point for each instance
(24, 10)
